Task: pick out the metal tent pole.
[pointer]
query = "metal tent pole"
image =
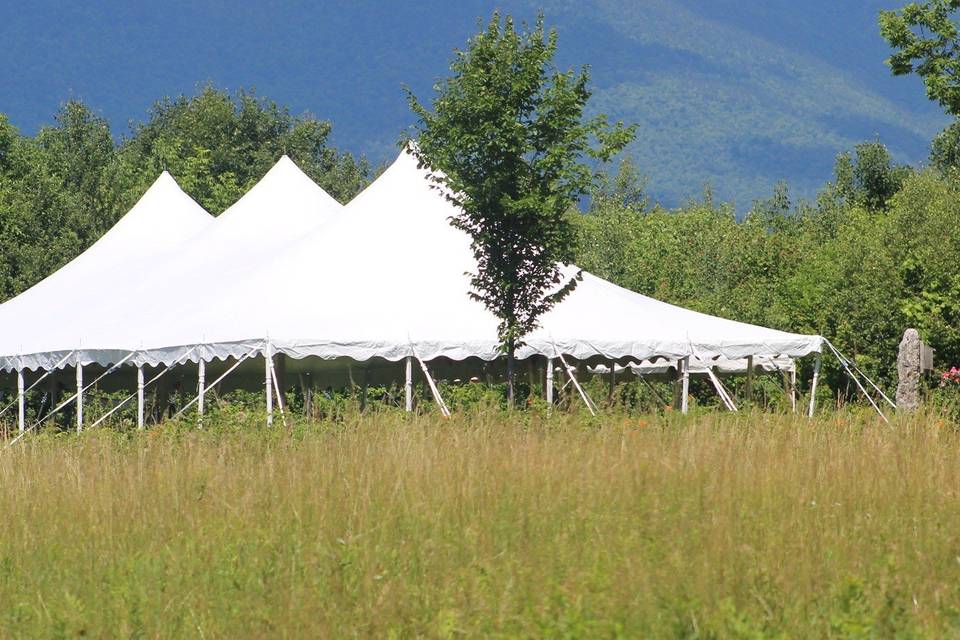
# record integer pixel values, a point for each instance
(549, 389)
(21, 402)
(749, 386)
(685, 391)
(79, 396)
(813, 384)
(268, 383)
(408, 386)
(140, 407)
(201, 390)
(793, 388)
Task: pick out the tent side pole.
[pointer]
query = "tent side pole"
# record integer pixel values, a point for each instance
(793, 389)
(21, 403)
(685, 390)
(408, 385)
(79, 397)
(749, 387)
(140, 403)
(813, 385)
(549, 385)
(201, 390)
(268, 384)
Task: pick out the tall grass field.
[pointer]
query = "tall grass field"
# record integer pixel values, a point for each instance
(489, 524)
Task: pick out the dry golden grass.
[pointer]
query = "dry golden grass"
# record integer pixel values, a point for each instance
(486, 525)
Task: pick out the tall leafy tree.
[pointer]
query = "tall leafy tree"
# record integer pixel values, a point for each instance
(926, 41)
(220, 144)
(508, 140)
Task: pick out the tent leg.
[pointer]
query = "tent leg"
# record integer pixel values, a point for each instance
(793, 389)
(749, 388)
(813, 385)
(613, 382)
(408, 386)
(268, 385)
(685, 391)
(549, 386)
(201, 390)
(21, 403)
(140, 403)
(79, 397)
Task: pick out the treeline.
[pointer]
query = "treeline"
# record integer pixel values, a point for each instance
(878, 250)
(63, 188)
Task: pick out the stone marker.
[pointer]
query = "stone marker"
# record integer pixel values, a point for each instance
(908, 371)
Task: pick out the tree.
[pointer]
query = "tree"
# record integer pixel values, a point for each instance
(508, 142)
(870, 178)
(218, 145)
(926, 42)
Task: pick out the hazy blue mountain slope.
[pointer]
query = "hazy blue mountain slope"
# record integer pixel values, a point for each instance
(731, 93)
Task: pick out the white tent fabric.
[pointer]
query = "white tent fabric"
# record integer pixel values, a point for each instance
(387, 278)
(114, 315)
(164, 216)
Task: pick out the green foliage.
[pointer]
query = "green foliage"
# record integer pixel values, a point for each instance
(925, 40)
(218, 145)
(872, 257)
(508, 133)
(871, 178)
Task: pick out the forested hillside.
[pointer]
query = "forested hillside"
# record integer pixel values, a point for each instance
(737, 95)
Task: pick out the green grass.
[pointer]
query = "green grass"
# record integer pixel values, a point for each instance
(487, 525)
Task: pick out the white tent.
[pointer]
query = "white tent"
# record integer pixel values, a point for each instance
(158, 263)
(389, 280)
(284, 271)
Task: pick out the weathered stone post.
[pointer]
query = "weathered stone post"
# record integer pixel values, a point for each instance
(908, 371)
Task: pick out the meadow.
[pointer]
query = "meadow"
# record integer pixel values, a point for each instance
(487, 524)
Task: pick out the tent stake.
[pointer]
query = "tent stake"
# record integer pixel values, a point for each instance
(813, 384)
(685, 390)
(201, 390)
(140, 403)
(79, 396)
(21, 408)
(408, 385)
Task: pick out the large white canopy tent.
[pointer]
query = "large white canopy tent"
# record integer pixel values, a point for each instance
(387, 279)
